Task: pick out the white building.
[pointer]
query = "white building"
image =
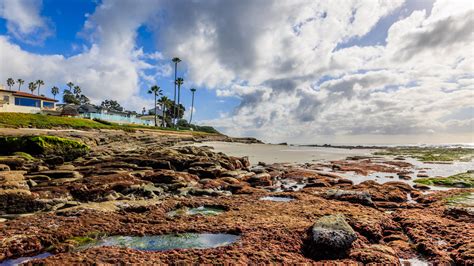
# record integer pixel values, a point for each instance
(23, 102)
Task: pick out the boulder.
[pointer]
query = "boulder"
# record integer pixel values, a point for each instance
(360, 197)
(330, 237)
(171, 177)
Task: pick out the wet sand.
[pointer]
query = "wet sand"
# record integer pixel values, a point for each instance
(269, 153)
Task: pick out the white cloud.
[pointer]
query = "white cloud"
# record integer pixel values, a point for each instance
(285, 62)
(24, 20)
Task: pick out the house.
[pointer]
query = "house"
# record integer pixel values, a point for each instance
(23, 102)
(120, 117)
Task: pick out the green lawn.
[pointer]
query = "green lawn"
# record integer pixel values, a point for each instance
(21, 120)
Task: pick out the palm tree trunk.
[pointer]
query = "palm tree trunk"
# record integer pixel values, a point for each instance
(155, 112)
(179, 95)
(174, 99)
(39, 89)
(192, 108)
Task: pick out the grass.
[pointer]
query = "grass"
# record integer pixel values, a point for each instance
(465, 180)
(431, 154)
(21, 120)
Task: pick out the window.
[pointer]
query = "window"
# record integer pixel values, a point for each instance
(27, 102)
(6, 99)
(48, 105)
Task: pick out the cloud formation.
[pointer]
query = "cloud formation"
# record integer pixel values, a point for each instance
(299, 68)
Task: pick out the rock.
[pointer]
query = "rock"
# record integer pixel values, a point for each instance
(4, 167)
(330, 237)
(360, 197)
(171, 177)
(262, 179)
(422, 175)
(54, 174)
(15, 163)
(377, 254)
(421, 187)
(67, 167)
(18, 201)
(31, 183)
(317, 183)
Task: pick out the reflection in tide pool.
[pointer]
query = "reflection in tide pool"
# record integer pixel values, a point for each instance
(276, 198)
(202, 210)
(18, 261)
(413, 262)
(167, 242)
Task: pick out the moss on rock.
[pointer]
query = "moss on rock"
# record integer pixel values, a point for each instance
(464, 180)
(431, 154)
(43, 145)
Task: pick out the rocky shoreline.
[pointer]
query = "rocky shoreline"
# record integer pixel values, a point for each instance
(127, 183)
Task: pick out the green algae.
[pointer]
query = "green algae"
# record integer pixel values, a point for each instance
(24, 155)
(465, 199)
(431, 154)
(464, 180)
(42, 145)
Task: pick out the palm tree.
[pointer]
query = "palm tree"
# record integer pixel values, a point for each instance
(70, 85)
(32, 87)
(20, 82)
(179, 82)
(164, 101)
(193, 90)
(77, 91)
(39, 82)
(54, 91)
(156, 91)
(10, 83)
(175, 60)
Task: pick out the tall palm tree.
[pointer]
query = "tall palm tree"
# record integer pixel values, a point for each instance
(193, 90)
(70, 85)
(164, 101)
(156, 91)
(54, 91)
(175, 60)
(77, 91)
(179, 82)
(32, 87)
(39, 82)
(20, 82)
(10, 83)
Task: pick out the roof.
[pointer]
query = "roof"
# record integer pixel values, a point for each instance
(29, 95)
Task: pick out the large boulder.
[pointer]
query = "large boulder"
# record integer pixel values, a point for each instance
(330, 237)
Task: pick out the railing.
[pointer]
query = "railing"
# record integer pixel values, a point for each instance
(116, 118)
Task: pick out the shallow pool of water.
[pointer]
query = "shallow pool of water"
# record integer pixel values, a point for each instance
(18, 261)
(414, 262)
(276, 198)
(201, 210)
(167, 242)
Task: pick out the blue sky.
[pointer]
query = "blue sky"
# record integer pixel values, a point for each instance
(67, 20)
(294, 71)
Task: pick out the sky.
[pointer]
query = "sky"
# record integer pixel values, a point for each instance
(296, 71)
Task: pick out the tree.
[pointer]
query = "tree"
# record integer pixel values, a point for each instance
(175, 60)
(32, 87)
(39, 82)
(54, 91)
(179, 82)
(69, 98)
(77, 91)
(10, 83)
(70, 85)
(156, 91)
(193, 90)
(111, 105)
(164, 101)
(83, 99)
(20, 82)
